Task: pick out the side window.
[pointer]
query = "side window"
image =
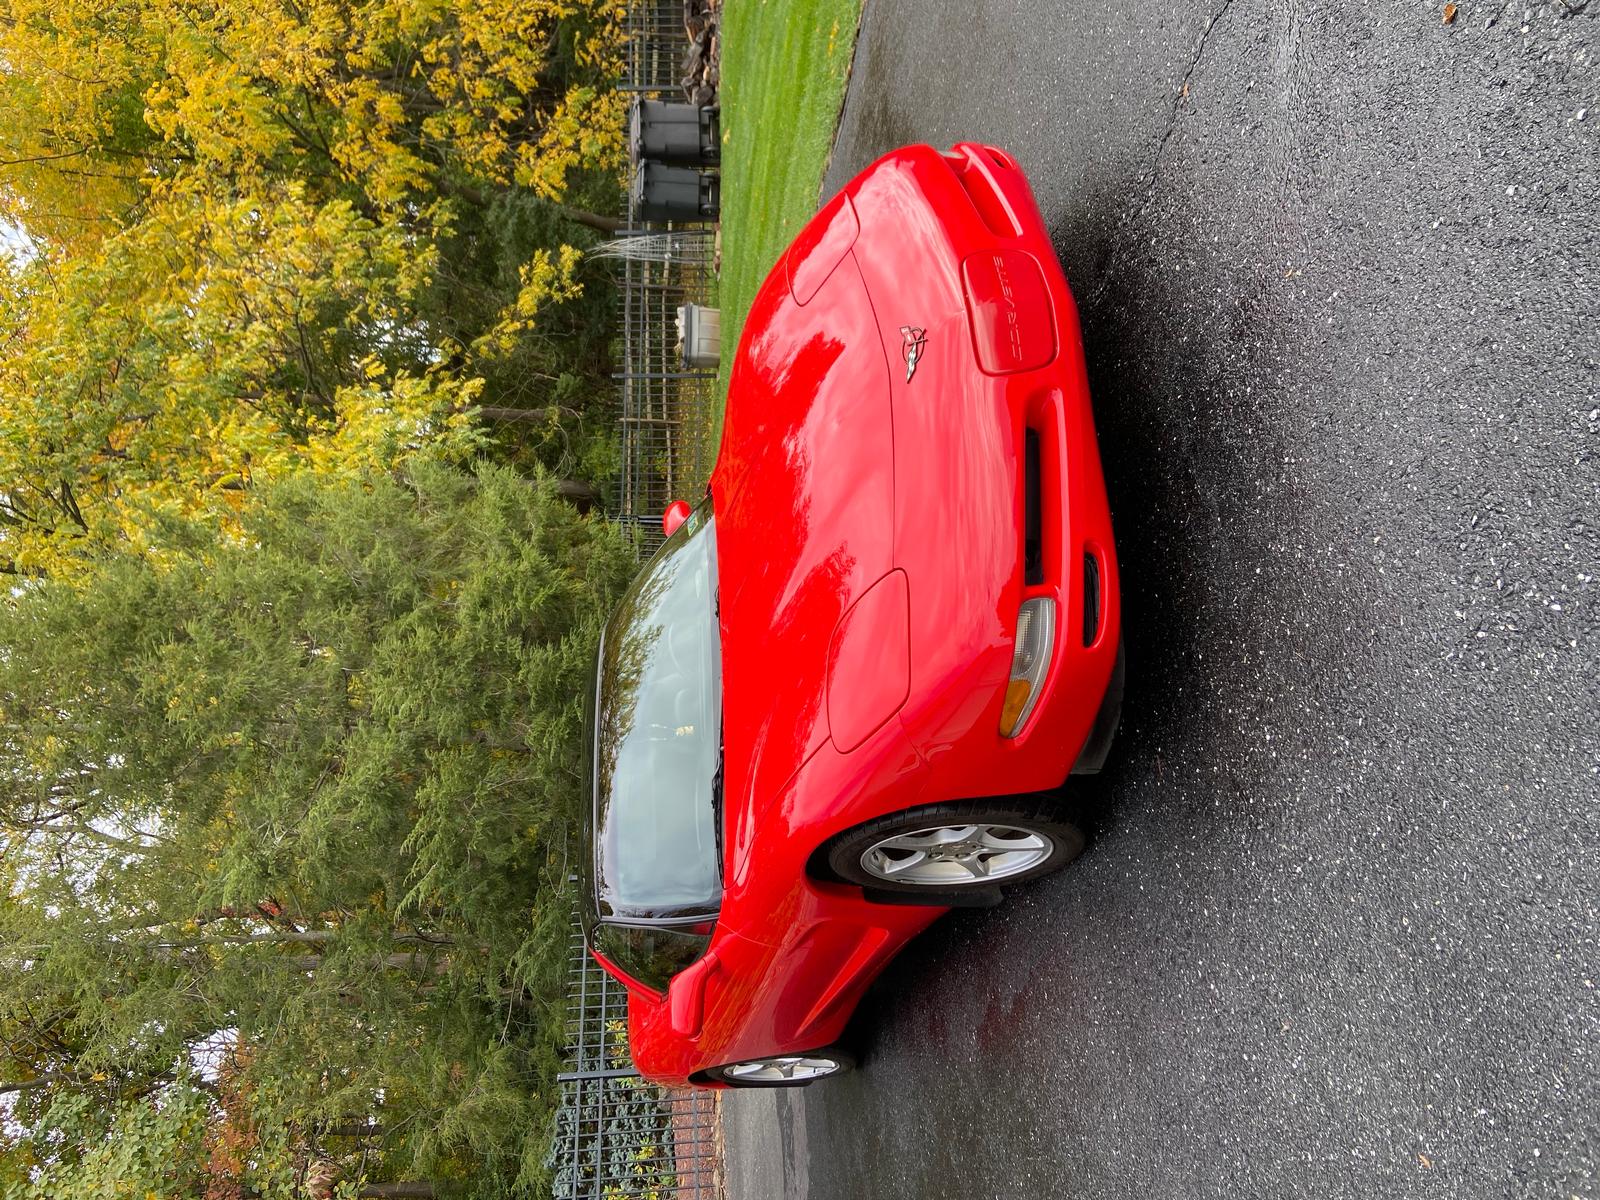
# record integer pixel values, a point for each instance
(652, 954)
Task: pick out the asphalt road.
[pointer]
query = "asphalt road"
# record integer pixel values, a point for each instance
(1338, 267)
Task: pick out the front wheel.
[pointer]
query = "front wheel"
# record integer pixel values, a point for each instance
(956, 847)
(784, 1070)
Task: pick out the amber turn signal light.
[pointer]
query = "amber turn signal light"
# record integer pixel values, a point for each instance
(1030, 660)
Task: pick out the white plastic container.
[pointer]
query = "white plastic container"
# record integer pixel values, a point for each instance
(700, 335)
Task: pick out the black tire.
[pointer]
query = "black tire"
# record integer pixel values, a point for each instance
(731, 1073)
(1038, 816)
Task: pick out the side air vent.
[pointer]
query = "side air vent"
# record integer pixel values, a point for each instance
(1091, 599)
(1032, 515)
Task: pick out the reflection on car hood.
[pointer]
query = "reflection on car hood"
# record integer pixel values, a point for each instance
(804, 492)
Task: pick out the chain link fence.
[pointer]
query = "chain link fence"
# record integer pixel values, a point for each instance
(665, 408)
(618, 1136)
(664, 404)
(657, 44)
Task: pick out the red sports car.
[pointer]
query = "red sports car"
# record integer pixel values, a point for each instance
(845, 695)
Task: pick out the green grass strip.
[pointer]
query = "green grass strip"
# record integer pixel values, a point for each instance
(784, 68)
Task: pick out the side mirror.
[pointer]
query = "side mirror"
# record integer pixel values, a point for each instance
(686, 995)
(677, 513)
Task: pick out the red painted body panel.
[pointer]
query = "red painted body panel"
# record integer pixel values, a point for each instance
(840, 464)
(804, 501)
(1008, 303)
(869, 663)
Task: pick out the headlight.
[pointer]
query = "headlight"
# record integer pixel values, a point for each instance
(1036, 635)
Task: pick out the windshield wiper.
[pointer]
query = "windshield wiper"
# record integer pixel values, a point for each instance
(717, 806)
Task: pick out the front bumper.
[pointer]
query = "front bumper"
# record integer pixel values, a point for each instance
(1001, 366)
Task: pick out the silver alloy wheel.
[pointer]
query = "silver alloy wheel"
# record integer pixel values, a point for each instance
(948, 855)
(789, 1068)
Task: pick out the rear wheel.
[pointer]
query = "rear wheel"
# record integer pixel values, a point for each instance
(956, 847)
(784, 1070)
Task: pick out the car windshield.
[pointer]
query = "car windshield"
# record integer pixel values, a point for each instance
(658, 738)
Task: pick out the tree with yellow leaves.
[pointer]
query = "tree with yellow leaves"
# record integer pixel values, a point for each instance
(269, 236)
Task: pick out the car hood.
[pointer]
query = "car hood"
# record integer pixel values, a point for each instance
(804, 499)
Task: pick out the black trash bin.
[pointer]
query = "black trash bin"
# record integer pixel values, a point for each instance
(680, 134)
(663, 193)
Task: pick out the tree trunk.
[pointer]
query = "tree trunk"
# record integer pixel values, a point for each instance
(482, 198)
(293, 936)
(592, 220)
(393, 962)
(581, 492)
(45, 1080)
(578, 491)
(522, 416)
